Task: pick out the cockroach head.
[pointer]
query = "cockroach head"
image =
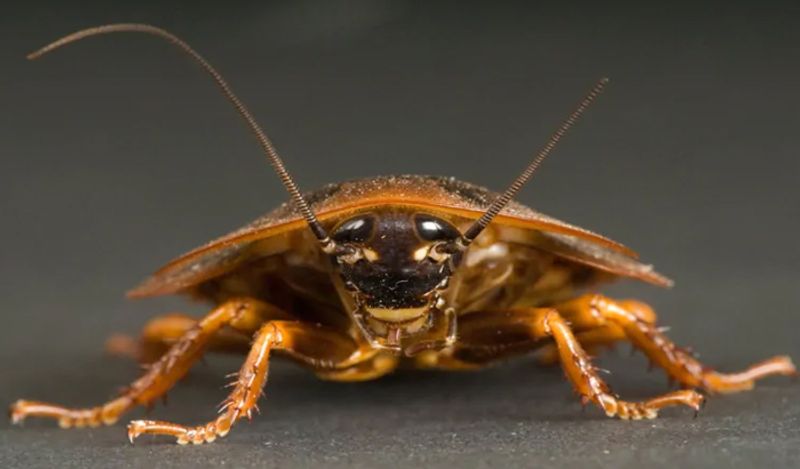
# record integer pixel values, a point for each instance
(395, 262)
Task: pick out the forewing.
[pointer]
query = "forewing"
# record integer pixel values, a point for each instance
(284, 228)
(600, 257)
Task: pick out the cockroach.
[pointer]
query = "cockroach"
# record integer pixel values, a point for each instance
(359, 277)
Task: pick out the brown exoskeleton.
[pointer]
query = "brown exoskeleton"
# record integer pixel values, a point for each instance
(356, 278)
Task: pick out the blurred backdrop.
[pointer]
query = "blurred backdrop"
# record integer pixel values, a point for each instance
(117, 154)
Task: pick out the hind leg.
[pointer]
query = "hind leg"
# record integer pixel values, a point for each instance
(243, 315)
(162, 332)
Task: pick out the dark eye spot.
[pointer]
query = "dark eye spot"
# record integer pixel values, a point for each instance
(354, 230)
(431, 228)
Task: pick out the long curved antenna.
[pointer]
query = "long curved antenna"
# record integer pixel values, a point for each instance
(498, 205)
(266, 144)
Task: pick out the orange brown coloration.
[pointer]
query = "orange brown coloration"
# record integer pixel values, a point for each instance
(679, 364)
(319, 347)
(240, 403)
(358, 278)
(160, 376)
(585, 378)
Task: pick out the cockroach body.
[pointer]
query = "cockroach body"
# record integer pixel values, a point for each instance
(357, 278)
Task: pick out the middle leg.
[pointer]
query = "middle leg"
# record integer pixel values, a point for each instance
(594, 337)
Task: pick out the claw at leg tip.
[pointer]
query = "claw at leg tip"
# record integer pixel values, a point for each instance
(698, 404)
(698, 408)
(134, 430)
(791, 369)
(15, 413)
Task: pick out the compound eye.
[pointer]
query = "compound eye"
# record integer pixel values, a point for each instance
(354, 230)
(430, 228)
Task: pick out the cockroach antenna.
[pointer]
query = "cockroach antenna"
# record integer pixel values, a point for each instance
(266, 144)
(395, 288)
(498, 205)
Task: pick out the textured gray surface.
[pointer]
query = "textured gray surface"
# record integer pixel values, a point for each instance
(116, 155)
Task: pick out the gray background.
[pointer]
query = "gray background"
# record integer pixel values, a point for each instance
(117, 154)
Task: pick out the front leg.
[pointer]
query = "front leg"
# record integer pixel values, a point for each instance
(322, 349)
(487, 336)
(583, 375)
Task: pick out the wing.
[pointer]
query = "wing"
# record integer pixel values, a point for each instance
(284, 229)
(601, 258)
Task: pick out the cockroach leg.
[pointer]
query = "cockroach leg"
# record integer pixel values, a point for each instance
(485, 337)
(598, 337)
(316, 346)
(240, 402)
(241, 314)
(158, 335)
(585, 378)
(162, 332)
(680, 364)
(379, 363)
